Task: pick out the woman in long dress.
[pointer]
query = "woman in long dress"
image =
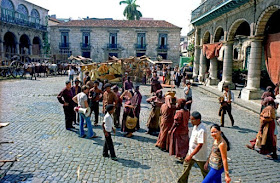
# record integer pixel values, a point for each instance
(131, 108)
(167, 112)
(153, 121)
(268, 130)
(179, 133)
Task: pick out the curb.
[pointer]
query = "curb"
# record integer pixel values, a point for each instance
(237, 103)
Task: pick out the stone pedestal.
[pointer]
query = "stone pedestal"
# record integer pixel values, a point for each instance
(17, 48)
(196, 62)
(252, 90)
(202, 67)
(213, 79)
(227, 67)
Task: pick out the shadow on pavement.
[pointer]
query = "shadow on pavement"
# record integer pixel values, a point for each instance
(21, 177)
(243, 130)
(132, 164)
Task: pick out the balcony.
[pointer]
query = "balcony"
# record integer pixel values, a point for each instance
(64, 45)
(211, 9)
(11, 17)
(140, 47)
(85, 46)
(113, 47)
(162, 48)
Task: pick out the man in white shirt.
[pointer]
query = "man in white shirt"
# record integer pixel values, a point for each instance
(226, 105)
(71, 74)
(197, 148)
(107, 125)
(81, 100)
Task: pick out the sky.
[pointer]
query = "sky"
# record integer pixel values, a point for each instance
(177, 12)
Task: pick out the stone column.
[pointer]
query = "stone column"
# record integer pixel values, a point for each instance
(2, 50)
(227, 66)
(17, 48)
(202, 67)
(196, 62)
(252, 90)
(30, 49)
(213, 72)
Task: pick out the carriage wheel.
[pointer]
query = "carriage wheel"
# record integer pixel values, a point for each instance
(17, 69)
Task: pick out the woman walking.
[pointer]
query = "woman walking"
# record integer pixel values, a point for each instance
(218, 157)
(268, 130)
(129, 110)
(153, 121)
(167, 112)
(179, 133)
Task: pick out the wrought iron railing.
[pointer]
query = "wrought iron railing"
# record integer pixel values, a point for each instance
(140, 46)
(205, 7)
(64, 45)
(14, 17)
(113, 46)
(85, 46)
(162, 47)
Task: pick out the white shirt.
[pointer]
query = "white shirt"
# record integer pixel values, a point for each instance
(71, 72)
(232, 96)
(82, 97)
(199, 136)
(108, 120)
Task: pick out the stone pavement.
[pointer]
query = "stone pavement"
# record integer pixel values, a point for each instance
(49, 153)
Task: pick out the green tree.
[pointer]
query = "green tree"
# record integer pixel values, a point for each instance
(130, 11)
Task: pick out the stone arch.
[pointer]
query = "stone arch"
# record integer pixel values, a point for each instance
(10, 41)
(264, 17)
(24, 43)
(218, 34)
(36, 45)
(206, 37)
(35, 14)
(22, 9)
(7, 4)
(233, 28)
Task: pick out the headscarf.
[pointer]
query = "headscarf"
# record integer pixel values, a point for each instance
(181, 103)
(168, 101)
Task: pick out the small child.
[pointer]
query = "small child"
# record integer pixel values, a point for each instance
(107, 129)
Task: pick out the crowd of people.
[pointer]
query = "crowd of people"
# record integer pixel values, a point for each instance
(168, 119)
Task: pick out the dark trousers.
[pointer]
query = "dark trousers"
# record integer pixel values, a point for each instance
(226, 109)
(117, 116)
(95, 109)
(108, 146)
(70, 116)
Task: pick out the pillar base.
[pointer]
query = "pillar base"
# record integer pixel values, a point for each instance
(195, 78)
(200, 79)
(247, 94)
(231, 85)
(278, 109)
(211, 82)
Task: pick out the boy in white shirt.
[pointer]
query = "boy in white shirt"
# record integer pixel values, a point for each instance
(107, 125)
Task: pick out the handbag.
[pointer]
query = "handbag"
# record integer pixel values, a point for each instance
(131, 122)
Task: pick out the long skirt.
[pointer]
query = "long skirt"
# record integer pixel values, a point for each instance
(178, 144)
(153, 121)
(162, 138)
(125, 114)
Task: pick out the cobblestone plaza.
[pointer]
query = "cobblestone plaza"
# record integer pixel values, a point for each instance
(49, 153)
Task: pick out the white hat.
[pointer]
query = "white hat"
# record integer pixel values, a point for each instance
(125, 73)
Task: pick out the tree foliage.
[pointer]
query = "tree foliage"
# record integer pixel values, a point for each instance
(130, 11)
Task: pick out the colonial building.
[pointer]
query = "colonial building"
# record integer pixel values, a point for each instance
(99, 39)
(22, 28)
(243, 28)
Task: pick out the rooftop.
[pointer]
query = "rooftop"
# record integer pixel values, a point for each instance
(118, 23)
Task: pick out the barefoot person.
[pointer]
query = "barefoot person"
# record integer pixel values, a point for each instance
(218, 157)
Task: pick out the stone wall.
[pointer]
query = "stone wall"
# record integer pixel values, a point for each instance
(126, 38)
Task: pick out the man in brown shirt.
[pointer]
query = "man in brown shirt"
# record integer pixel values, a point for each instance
(109, 97)
(94, 95)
